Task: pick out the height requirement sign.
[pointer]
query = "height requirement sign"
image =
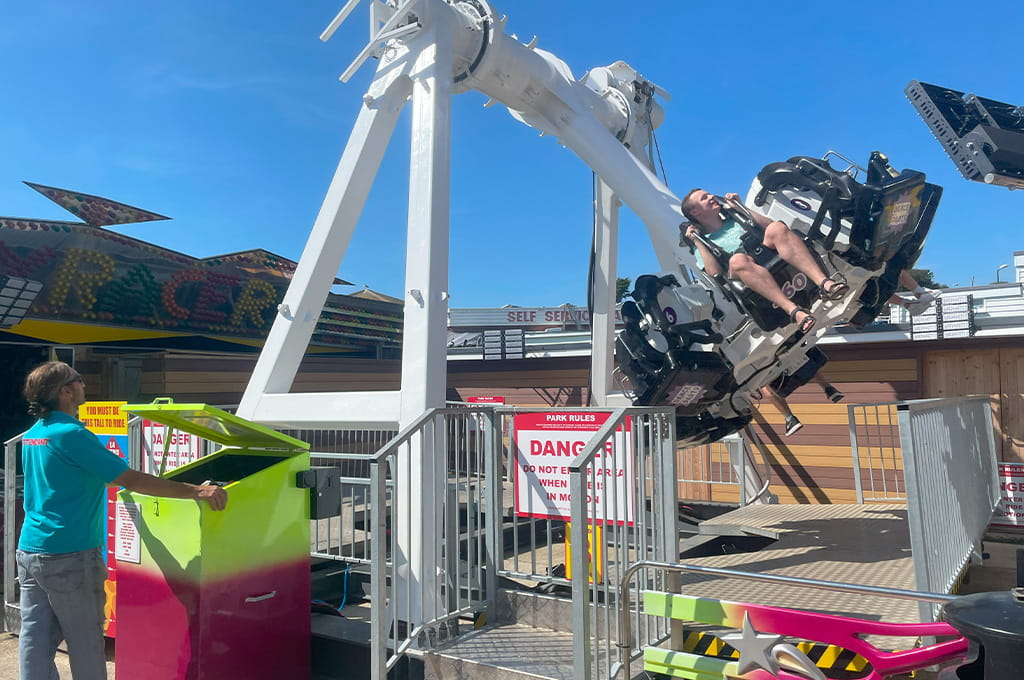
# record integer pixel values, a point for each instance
(545, 445)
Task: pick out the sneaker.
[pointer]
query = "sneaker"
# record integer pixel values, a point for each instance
(927, 296)
(792, 425)
(834, 395)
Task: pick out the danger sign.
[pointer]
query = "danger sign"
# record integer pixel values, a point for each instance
(546, 443)
(181, 447)
(1010, 511)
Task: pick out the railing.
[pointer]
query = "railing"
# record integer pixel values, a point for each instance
(949, 456)
(877, 458)
(538, 555)
(724, 471)
(630, 516)
(939, 456)
(12, 493)
(432, 563)
(717, 464)
(345, 535)
(629, 650)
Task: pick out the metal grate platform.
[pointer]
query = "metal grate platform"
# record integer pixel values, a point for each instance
(860, 544)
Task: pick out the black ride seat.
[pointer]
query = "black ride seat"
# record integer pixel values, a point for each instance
(767, 316)
(678, 372)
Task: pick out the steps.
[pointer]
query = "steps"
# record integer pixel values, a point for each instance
(532, 639)
(508, 651)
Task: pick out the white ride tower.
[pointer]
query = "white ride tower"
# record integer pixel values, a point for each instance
(427, 51)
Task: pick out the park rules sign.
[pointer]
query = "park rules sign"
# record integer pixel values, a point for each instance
(546, 443)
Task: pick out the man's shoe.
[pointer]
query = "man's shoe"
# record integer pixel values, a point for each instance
(792, 425)
(834, 395)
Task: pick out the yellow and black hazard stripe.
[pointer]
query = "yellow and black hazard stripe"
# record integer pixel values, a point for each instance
(707, 644)
(841, 662)
(838, 663)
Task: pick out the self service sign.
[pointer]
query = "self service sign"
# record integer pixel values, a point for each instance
(546, 443)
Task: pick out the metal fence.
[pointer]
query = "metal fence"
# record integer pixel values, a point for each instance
(12, 486)
(724, 471)
(624, 505)
(344, 535)
(437, 562)
(877, 456)
(950, 461)
(433, 531)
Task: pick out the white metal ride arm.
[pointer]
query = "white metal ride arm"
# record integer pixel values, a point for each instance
(597, 117)
(604, 117)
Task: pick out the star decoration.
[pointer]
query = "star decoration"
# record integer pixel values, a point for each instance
(755, 648)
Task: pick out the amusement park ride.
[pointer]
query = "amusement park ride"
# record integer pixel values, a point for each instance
(703, 344)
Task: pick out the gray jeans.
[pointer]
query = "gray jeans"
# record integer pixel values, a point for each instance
(62, 598)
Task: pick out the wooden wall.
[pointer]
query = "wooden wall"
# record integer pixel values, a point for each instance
(524, 382)
(812, 466)
(222, 379)
(995, 371)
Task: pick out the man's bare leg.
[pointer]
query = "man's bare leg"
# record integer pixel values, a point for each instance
(758, 279)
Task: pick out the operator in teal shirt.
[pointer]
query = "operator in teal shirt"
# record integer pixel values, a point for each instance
(60, 565)
(66, 471)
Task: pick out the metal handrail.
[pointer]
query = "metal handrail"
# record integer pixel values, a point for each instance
(381, 662)
(582, 661)
(749, 431)
(411, 429)
(404, 435)
(625, 635)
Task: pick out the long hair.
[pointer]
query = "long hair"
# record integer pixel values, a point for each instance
(43, 385)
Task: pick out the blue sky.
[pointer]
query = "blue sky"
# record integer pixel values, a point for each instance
(229, 117)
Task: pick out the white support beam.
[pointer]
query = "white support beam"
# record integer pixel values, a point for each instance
(424, 334)
(321, 259)
(606, 255)
(328, 410)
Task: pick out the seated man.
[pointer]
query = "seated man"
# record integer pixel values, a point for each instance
(704, 211)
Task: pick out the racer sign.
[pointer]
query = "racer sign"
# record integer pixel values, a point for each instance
(545, 445)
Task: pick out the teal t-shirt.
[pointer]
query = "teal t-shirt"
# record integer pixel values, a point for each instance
(728, 238)
(66, 473)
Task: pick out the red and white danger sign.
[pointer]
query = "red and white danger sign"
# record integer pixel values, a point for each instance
(1010, 511)
(546, 443)
(181, 447)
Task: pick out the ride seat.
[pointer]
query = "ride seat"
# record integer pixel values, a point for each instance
(767, 316)
(672, 372)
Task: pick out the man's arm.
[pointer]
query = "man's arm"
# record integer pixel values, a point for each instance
(167, 488)
(761, 220)
(711, 265)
